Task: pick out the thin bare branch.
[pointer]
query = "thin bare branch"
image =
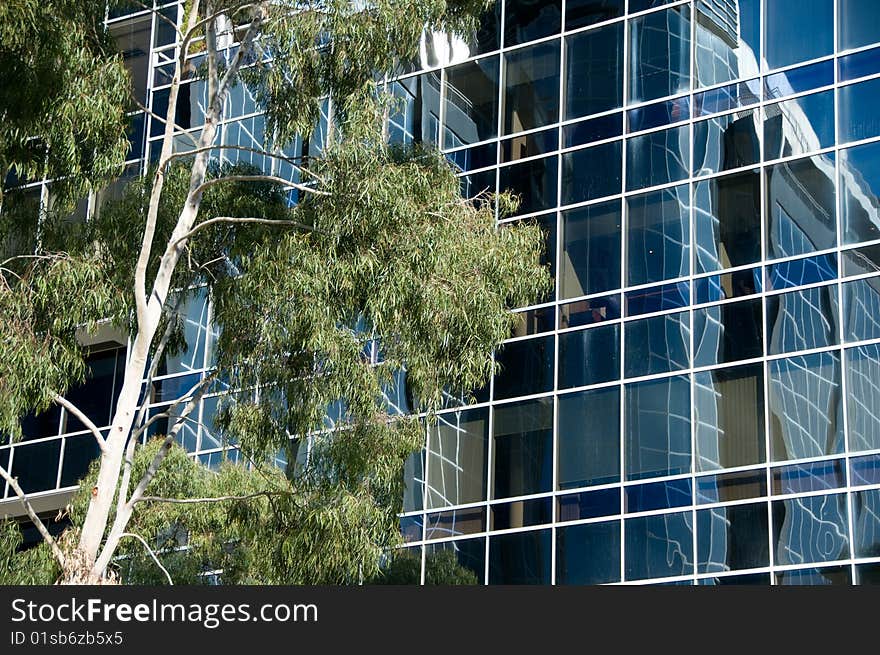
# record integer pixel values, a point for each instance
(259, 221)
(214, 499)
(85, 420)
(152, 554)
(181, 131)
(258, 178)
(41, 527)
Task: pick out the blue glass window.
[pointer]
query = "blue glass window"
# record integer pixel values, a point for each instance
(589, 504)
(533, 181)
(863, 391)
(658, 235)
(658, 428)
(812, 476)
(659, 54)
(810, 529)
(594, 71)
(528, 20)
(857, 23)
(802, 320)
(523, 448)
(799, 126)
(526, 367)
(659, 546)
(727, 224)
(658, 495)
(580, 13)
(471, 96)
(728, 332)
(589, 356)
(590, 250)
(531, 96)
(657, 158)
(859, 188)
(469, 554)
(589, 438)
(657, 345)
(520, 558)
(798, 30)
(732, 538)
(592, 173)
(588, 554)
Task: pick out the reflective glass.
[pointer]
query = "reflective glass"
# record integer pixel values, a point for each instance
(534, 321)
(857, 22)
(732, 538)
(799, 126)
(589, 312)
(859, 64)
(459, 562)
(471, 97)
(728, 332)
(658, 114)
(588, 554)
(802, 320)
(520, 558)
(657, 158)
(594, 129)
(594, 71)
(658, 298)
(414, 478)
(728, 487)
(657, 345)
(858, 120)
(810, 529)
(592, 172)
(659, 546)
(859, 261)
(589, 438)
(36, 465)
(659, 54)
(96, 397)
(863, 397)
(478, 184)
(866, 517)
(801, 209)
(458, 448)
(529, 145)
(658, 235)
(579, 13)
(528, 20)
(533, 181)
(588, 504)
(727, 222)
(799, 272)
(798, 80)
(523, 448)
(658, 495)
(729, 415)
(865, 470)
(531, 96)
(725, 142)
(658, 428)
(832, 575)
(728, 40)
(727, 97)
(805, 407)
(589, 356)
(521, 513)
(868, 574)
(798, 30)
(811, 476)
(469, 159)
(728, 285)
(526, 367)
(455, 522)
(590, 250)
(859, 188)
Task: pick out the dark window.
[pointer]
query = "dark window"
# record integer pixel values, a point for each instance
(589, 438)
(456, 562)
(458, 447)
(526, 367)
(579, 13)
(658, 235)
(588, 554)
(590, 250)
(726, 142)
(594, 71)
(728, 332)
(532, 87)
(471, 97)
(799, 126)
(727, 222)
(528, 20)
(591, 173)
(523, 448)
(657, 158)
(657, 345)
(533, 181)
(810, 529)
(520, 558)
(658, 428)
(589, 356)
(659, 54)
(732, 538)
(659, 546)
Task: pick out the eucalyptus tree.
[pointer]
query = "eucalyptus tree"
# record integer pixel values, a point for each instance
(380, 254)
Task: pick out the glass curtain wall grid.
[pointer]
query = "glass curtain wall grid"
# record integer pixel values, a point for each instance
(697, 401)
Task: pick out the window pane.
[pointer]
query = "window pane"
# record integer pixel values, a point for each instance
(471, 97)
(857, 22)
(732, 538)
(528, 20)
(79, 453)
(589, 356)
(805, 407)
(728, 285)
(727, 221)
(591, 173)
(579, 13)
(802, 320)
(798, 30)
(659, 54)
(458, 446)
(728, 332)
(589, 438)
(726, 142)
(523, 448)
(459, 562)
(532, 87)
(863, 402)
(36, 465)
(657, 158)
(589, 504)
(658, 235)
(526, 367)
(520, 558)
(729, 405)
(417, 117)
(860, 185)
(589, 312)
(811, 476)
(729, 487)
(811, 529)
(594, 71)
(830, 575)
(588, 554)
(658, 495)
(799, 126)
(455, 522)
(866, 513)
(590, 250)
(659, 546)
(658, 428)
(529, 145)
(657, 345)
(728, 40)
(801, 206)
(533, 181)
(521, 513)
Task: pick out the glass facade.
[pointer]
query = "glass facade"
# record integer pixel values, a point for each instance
(698, 400)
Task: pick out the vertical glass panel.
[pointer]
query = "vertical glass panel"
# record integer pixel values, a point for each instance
(414, 482)
(590, 250)
(805, 407)
(859, 186)
(657, 345)
(589, 356)
(36, 465)
(866, 514)
(863, 397)
(194, 313)
(659, 546)
(858, 117)
(132, 39)
(857, 22)
(471, 102)
(798, 30)
(728, 40)
(657, 158)
(461, 562)
(658, 428)
(523, 448)
(727, 221)
(416, 118)
(520, 558)
(810, 529)
(801, 210)
(588, 554)
(458, 448)
(799, 126)
(580, 13)
(658, 235)
(801, 320)
(531, 96)
(79, 453)
(728, 332)
(96, 397)
(725, 142)
(589, 438)
(594, 71)
(526, 367)
(528, 20)
(732, 538)
(592, 172)
(729, 406)
(533, 181)
(659, 54)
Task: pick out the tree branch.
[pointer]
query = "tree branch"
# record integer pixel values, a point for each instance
(164, 121)
(85, 420)
(259, 221)
(41, 527)
(258, 178)
(152, 554)
(214, 499)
